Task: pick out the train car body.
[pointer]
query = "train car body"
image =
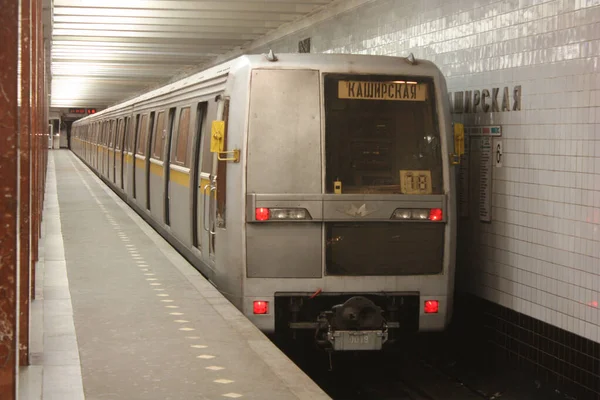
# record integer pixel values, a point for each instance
(315, 192)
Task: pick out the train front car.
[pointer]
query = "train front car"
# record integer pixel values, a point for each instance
(350, 205)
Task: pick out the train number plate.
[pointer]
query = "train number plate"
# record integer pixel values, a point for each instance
(357, 340)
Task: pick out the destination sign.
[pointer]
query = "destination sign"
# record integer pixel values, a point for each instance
(395, 90)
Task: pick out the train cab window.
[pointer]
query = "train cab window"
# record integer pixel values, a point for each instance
(379, 131)
(183, 132)
(142, 135)
(159, 136)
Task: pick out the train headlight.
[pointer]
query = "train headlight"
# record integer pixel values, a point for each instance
(434, 214)
(400, 213)
(282, 214)
(420, 214)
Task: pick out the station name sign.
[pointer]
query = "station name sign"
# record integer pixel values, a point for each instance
(395, 90)
(475, 101)
(82, 111)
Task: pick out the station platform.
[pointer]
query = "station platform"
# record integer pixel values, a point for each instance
(119, 314)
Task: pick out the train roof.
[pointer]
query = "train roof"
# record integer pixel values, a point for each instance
(353, 63)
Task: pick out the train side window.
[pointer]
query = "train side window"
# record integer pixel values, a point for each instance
(104, 133)
(169, 134)
(142, 135)
(133, 134)
(206, 160)
(183, 132)
(119, 134)
(127, 135)
(115, 133)
(149, 134)
(111, 134)
(159, 136)
(200, 129)
(222, 175)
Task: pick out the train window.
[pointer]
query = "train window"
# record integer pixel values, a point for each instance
(183, 132)
(142, 135)
(200, 126)
(106, 138)
(132, 133)
(119, 134)
(378, 128)
(127, 135)
(104, 133)
(111, 134)
(159, 136)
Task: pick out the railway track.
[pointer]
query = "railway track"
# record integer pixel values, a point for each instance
(407, 371)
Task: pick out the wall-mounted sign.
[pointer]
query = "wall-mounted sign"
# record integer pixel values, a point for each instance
(490, 130)
(473, 101)
(498, 154)
(82, 111)
(463, 180)
(485, 180)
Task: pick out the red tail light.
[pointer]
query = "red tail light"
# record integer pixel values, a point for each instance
(431, 307)
(262, 214)
(435, 214)
(261, 307)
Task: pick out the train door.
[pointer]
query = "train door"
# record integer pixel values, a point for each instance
(101, 145)
(114, 155)
(180, 213)
(132, 146)
(214, 193)
(167, 163)
(157, 167)
(110, 153)
(97, 142)
(149, 154)
(200, 178)
(119, 148)
(140, 161)
(104, 154)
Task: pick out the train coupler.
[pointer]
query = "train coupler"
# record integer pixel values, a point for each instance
(356, 325)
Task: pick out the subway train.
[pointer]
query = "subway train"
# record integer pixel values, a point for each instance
(315, 191)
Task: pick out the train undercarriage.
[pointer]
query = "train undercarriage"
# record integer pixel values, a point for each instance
(347, 322)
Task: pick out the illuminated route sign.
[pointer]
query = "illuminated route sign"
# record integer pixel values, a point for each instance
(82, 111)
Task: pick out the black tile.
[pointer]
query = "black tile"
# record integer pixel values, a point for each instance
(558, 356)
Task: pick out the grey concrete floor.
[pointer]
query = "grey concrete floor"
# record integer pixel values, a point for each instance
(126, 317)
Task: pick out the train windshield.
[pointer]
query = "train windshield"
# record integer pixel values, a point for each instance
(382, 135)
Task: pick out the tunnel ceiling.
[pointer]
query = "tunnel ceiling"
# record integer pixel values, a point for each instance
(104, 51)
